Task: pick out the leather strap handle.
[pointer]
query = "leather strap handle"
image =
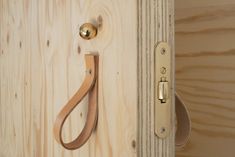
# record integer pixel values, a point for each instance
(89, 85)
(183, 123)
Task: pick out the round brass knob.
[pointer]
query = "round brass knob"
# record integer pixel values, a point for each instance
(88, 31)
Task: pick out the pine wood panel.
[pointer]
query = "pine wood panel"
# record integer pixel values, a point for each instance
(42, 66)
(205, 74)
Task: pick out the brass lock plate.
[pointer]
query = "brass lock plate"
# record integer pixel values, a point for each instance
(163, 90)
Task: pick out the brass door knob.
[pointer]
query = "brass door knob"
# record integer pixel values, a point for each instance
(88, 31)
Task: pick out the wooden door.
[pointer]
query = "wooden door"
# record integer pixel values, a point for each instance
(42, 66)
(205, 63)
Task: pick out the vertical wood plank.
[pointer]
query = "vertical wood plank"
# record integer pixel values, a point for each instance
(42, 66)
(205, 55)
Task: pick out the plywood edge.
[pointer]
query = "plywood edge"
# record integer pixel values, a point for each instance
(155, 24)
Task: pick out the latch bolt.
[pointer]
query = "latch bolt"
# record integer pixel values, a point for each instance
(163, 92)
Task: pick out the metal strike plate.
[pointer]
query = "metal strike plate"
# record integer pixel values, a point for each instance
(163, 90)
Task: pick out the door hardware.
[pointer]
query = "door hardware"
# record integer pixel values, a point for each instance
(163, 90)
(87, 31)
(90, 87)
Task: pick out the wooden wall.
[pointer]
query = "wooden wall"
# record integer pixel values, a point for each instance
(205, 74)
(42, 66)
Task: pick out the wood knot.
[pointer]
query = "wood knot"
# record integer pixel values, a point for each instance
(48, 43)
(133, 144)
(100, 21)
(8, 38)
(79, 49)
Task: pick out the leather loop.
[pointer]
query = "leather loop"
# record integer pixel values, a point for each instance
(183, 123)
(89, 85)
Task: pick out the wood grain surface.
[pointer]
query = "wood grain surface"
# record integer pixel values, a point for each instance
(42, 66)
(205, 74)
(155, 24)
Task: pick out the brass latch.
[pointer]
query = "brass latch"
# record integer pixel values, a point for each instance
(163, 90)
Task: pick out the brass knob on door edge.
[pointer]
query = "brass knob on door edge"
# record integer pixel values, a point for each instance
(88, 31)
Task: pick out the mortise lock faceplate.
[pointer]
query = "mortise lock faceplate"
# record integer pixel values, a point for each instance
(163, 90)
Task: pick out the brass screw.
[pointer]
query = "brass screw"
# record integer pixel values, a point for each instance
(163, 51)
(89, 71)
(163, 129)
(163, 70)
(88, 31)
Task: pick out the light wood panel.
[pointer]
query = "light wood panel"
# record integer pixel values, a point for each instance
(42, 66)
(205, 74)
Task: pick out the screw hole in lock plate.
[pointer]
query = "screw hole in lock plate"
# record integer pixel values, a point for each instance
(163, 70)
(163, 51)
(163, 91)
(163, 130)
